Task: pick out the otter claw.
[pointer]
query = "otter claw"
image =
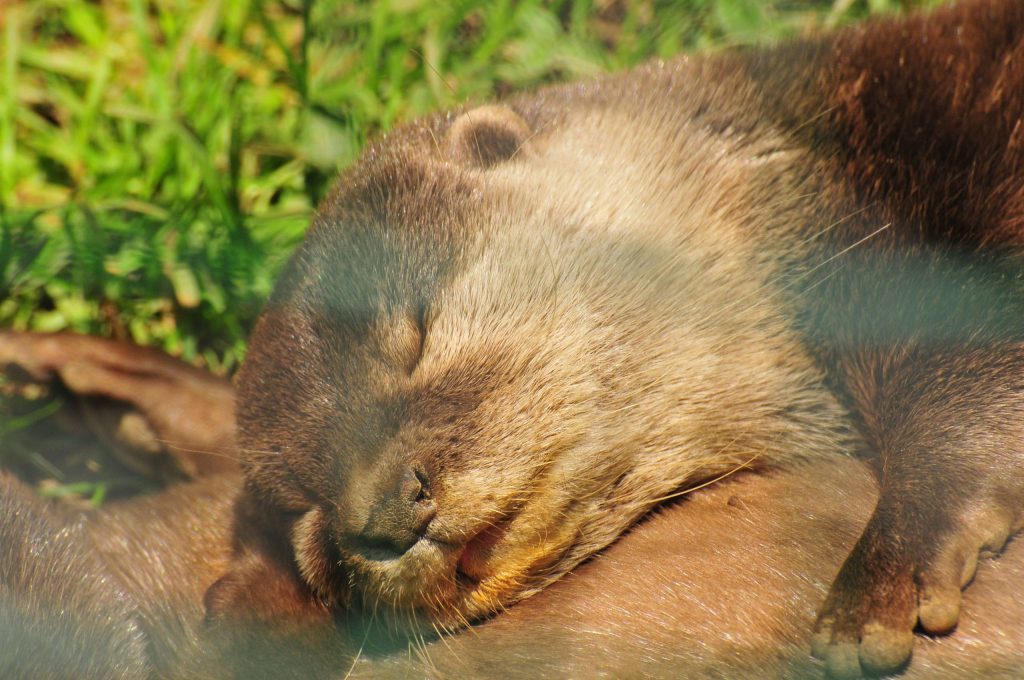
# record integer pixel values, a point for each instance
(880, 650)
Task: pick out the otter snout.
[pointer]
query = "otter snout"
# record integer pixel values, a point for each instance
(399, 515)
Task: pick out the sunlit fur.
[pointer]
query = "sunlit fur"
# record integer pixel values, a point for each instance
(569, 307)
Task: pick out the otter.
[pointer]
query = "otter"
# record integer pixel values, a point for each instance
(724, 585)
(513, 331)
(160, 416)
(116, 592)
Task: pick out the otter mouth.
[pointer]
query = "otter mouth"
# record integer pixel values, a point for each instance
(452, 581)
(471, 567)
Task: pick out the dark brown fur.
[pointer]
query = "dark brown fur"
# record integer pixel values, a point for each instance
(921, 331)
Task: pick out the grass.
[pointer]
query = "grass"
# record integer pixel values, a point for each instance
(159, 160)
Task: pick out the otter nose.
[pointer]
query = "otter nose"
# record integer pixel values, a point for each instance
(400, 515)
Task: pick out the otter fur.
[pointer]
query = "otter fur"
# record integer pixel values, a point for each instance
(724, 583)
(116, 593)
(513, 331)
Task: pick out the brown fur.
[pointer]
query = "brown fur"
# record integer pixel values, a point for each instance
(59, 609)
(117, 593)
(723, 585)
(501, 355)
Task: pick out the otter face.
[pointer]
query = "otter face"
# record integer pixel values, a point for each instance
(475, 374)
(398, 405)
(433, 464)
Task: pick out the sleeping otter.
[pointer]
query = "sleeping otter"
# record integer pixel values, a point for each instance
(724, 583)
(514, 330)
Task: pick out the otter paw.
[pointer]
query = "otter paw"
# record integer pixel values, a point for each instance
(866, 625)
(888, 586)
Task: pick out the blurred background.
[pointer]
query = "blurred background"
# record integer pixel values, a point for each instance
(159, 160)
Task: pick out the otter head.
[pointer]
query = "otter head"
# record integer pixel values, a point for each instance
(472, 376)
(402, 409)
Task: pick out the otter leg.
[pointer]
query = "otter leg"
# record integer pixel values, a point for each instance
(157, 413)
(950, 434)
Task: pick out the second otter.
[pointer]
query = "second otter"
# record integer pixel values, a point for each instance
(513, 331)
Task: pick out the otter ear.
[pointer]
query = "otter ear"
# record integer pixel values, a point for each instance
(487, 135)
(257, 590)
(262, 583)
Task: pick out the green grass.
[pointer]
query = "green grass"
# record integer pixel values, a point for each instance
(159, 160)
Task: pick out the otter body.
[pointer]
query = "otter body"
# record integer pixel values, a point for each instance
(116, 593)
(724, 583)
(514, 330)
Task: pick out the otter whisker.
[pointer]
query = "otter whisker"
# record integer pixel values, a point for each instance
(771, 284)
(442, 635)
(362, 645)
(742, 466)
(529, 137)
(203, 452)
(816, 117)
(842, 220)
